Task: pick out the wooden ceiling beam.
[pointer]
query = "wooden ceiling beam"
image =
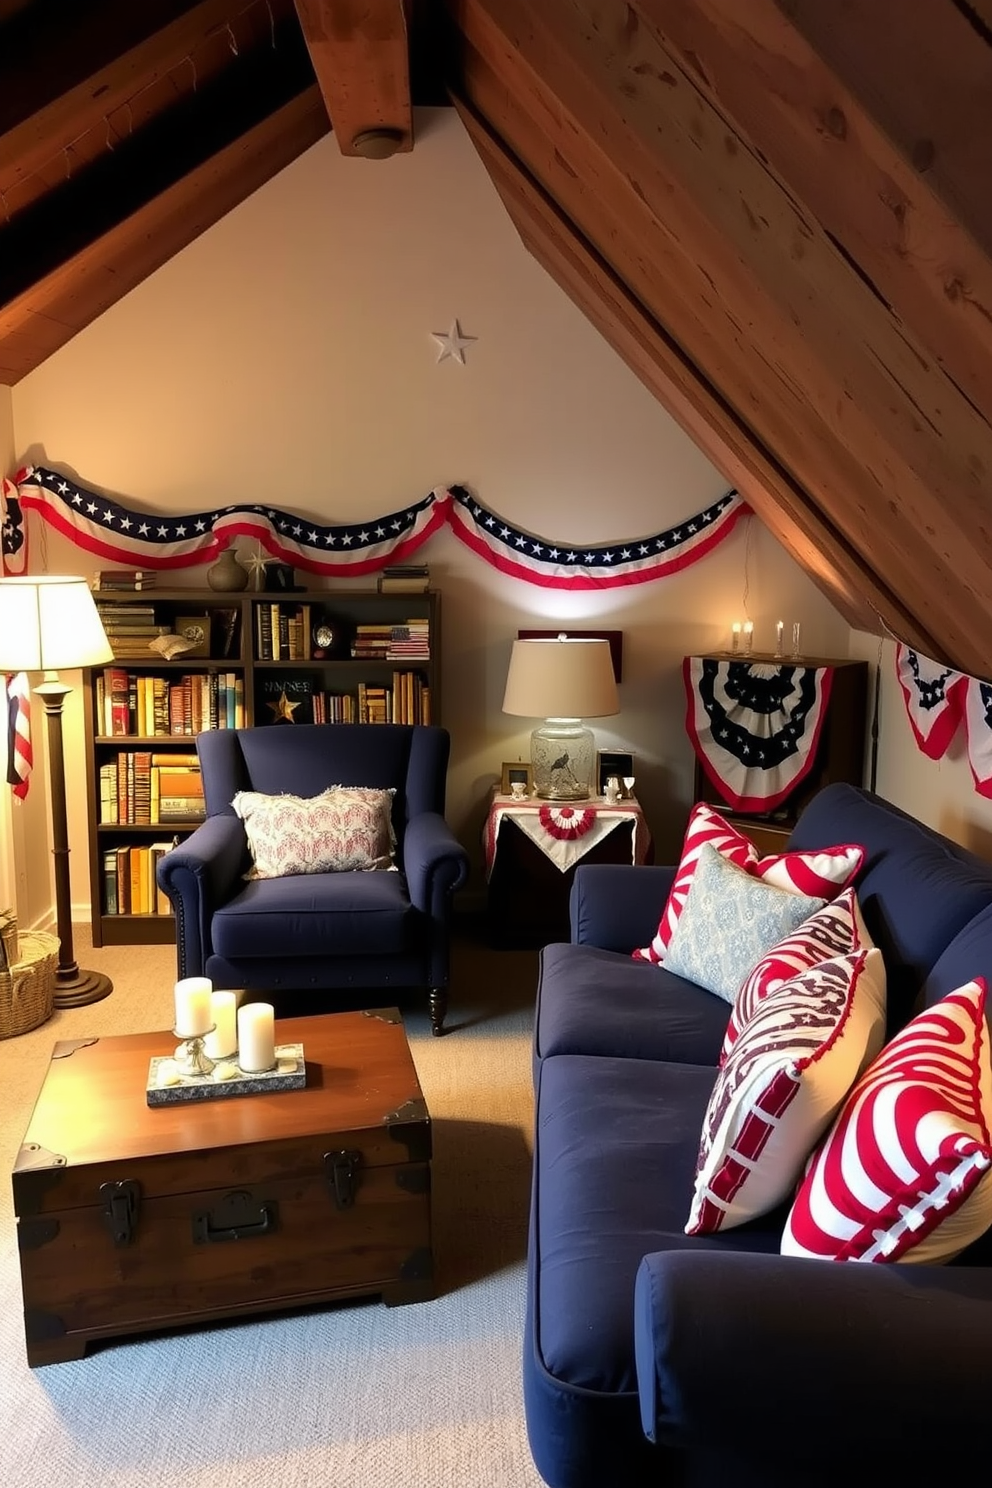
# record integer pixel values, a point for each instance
(697, 407)
(753, 291)
(361, 55)
(828, 150)
(80, 288)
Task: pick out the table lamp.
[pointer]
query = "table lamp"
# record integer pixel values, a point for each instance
(47, 623)
(562, 680)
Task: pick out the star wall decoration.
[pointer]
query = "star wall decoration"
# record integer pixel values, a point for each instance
(255, 563)
(453, 343)
(283, 708)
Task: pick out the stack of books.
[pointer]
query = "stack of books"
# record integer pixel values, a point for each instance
(408, 640)
(125, 578)
(404, 578)
(129, 629)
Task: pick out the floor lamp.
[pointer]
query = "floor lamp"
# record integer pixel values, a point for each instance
(48, 623)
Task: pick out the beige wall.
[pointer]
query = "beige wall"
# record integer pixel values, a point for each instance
(286, 356)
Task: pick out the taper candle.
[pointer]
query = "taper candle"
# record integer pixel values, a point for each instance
(256, 1037)
(779, 631)
(748, 636)
(224, 1039)
(193, 1014)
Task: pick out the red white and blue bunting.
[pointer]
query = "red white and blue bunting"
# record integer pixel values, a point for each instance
(938, 701)
(105, 526)
(755, 726)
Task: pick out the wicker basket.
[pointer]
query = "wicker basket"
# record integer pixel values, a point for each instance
(27, 989)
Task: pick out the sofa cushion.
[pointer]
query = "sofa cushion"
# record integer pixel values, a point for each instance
(729, 920)
(904, 1173)
(822, 873)
(832, 930)
(317, 914)
(785, 1079)
(343, 828)
(591, 1001)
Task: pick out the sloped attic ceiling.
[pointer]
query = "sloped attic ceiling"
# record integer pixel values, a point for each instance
(775, 210)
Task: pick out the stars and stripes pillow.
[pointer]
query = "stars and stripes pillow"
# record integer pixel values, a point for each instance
(821, 874)
(832, 931)
(904, 1173)
(784, 1081)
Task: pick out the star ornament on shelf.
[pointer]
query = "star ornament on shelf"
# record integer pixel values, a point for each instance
(452, 343)
(255, 564)
(283, 708)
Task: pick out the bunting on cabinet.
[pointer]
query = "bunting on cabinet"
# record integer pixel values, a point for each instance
(105, 525)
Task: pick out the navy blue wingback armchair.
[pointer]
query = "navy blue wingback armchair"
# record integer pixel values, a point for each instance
(349, 930)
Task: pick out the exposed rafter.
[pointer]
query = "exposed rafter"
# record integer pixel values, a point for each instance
(360, 52)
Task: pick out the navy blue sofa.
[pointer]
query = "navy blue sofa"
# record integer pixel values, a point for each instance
(334, 933)
(712, 1361)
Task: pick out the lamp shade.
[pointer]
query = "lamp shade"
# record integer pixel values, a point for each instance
(567, 677)
(49, 622)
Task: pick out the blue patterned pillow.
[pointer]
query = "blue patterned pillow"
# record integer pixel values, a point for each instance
(729, 921)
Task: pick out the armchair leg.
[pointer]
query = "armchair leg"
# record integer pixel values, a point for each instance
(439, 1006)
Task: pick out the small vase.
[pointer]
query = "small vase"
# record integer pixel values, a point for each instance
(227, 573)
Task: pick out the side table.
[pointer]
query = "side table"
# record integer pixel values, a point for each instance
(532, 849)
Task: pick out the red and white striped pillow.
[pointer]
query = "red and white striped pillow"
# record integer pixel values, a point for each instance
(821, 874)
(831, 931)
(904, 1173)
(783, 1083)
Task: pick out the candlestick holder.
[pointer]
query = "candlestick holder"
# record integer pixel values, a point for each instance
(191, 1057)
(797, 631)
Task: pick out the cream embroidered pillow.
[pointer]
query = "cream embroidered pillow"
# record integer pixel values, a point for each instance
(345, 827)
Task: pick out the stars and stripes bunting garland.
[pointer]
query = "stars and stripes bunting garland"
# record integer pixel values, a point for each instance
(105, 526)
(20, 755)
(560, 565)
(932, 694)
(755, 726)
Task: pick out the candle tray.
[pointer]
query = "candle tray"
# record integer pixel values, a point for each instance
(289, 1073)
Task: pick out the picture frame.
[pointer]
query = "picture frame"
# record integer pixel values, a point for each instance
(516, 770)
(613, 762)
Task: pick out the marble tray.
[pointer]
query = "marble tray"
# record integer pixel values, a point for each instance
(290, 1073)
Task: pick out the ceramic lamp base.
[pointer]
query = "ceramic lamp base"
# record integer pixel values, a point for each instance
(563, 758)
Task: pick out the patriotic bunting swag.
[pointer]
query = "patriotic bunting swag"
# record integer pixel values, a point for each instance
(938, 700)
(19, 753)
(755, 726)
(103, 525)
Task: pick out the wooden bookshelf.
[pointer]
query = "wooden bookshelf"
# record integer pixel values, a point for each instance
(231, 678)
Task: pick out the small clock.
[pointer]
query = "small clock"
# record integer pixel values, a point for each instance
(328, 638)
(196, 630)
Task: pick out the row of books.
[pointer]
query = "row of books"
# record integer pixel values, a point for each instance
(407, 701)
(129, 881)
(410, 639)
(130, 703)
(142, 789)
(294, 698)
(282, 632)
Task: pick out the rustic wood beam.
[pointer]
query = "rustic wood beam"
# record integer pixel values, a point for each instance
(697, 407)
(81, 287)
(828, 150)
(361, 56)
(753, 290)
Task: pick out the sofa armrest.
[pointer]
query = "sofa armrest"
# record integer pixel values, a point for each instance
(199, 875)
(742, 1354)
(616, 906)
(435, 864)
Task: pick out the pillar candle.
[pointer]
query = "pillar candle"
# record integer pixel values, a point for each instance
(735, 636)
(256, 1036)
(748, 636)
(193, 1014)
(224, 1039)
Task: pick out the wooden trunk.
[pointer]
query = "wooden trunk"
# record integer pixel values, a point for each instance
(132, 1219)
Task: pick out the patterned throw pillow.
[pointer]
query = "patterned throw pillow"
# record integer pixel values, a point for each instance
(904, 1173)
(821, 873)
(345, 827)
(728, 922)
(834, 929)
(785, 1080)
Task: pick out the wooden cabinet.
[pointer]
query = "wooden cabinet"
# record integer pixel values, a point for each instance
(839, 753)
(257, 659)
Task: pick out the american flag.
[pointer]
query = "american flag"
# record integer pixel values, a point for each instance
(105, 526)
(20, 756)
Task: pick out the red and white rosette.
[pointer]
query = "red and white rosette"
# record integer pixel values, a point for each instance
(564, 823)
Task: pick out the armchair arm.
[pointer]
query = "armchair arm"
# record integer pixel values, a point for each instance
(616, 906)
(778, 1365)
(199, 875)
(435, 864)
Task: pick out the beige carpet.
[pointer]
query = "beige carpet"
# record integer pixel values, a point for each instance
(356, 1396)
